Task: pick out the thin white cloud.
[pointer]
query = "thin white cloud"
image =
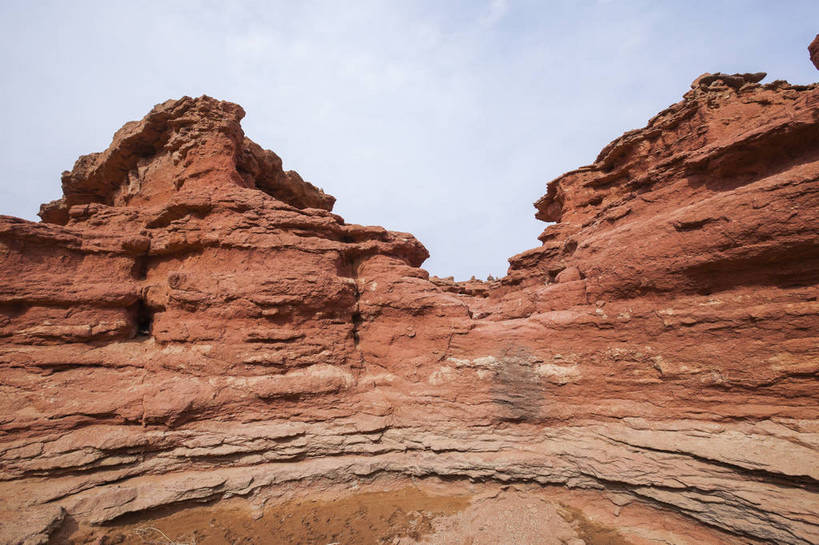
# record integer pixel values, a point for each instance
(442, 119)
(496, 11)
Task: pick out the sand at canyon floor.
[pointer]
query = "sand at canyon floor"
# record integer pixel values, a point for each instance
(408, 513)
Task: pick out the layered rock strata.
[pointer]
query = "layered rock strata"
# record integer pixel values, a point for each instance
(192, 323)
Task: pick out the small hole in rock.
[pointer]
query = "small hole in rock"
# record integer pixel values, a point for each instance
(144, 319)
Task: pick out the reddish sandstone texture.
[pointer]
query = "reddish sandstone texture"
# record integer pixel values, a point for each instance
(813, 49)
(191, 323)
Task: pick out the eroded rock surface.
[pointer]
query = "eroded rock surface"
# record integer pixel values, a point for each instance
(192, 323)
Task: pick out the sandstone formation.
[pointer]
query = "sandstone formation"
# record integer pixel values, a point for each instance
(191, 323)
(813, 49)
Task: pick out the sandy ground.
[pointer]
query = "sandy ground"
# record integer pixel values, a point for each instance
(406, 516)
(511, 517)
(405, 512)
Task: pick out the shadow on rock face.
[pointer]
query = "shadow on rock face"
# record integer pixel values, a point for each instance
(517, 391)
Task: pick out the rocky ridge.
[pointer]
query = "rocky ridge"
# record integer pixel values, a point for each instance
(192, 323)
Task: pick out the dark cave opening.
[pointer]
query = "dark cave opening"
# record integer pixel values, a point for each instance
(144, 318)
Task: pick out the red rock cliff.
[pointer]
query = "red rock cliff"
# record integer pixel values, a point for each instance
(190, 322)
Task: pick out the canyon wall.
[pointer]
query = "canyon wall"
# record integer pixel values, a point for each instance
(191, 322)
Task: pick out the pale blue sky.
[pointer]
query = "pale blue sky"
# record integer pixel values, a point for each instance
(444, 119)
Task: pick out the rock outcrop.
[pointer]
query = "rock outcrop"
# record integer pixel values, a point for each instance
(191, 323)
(813, 49)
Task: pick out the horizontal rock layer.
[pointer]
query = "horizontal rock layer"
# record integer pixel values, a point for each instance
(190, 323)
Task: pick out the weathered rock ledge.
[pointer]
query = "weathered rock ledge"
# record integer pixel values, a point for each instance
(192, 323)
